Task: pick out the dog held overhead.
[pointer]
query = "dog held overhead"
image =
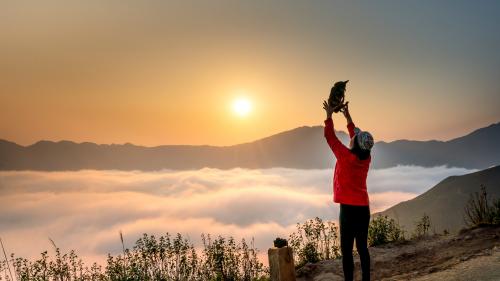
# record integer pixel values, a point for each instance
(337, 94)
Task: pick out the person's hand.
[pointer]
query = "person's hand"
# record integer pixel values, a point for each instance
(328, 109)
(345, 110)
(346, 113)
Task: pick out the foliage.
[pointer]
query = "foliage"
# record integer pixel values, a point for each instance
(422, 226)
(280, 242)
(315, 240)
(496, 212)
(383, 230)
(482, 210)
(151, 258)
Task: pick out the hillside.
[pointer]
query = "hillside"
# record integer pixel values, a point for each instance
(471, 255)
(444, 203)
(302, 148)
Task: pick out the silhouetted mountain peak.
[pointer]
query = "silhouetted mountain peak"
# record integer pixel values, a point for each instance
(297, 133)
(6, 142)
(489, 133)
(41, 143)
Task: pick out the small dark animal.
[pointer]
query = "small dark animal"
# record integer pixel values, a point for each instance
(336, 99)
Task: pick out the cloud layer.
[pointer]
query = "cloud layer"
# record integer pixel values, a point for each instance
(85, 210)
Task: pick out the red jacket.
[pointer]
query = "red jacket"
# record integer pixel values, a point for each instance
(349, 180)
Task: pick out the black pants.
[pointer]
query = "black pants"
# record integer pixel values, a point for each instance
(354, 222)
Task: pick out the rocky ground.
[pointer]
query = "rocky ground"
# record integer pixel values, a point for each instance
(473, 254)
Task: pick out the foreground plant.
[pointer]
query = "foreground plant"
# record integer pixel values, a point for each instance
(151, 258)
(382, 230)
(315, 240)
(481, 209)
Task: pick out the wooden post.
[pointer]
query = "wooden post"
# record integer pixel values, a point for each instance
(281, 264)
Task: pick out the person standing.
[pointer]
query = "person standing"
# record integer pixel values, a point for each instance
(349, 190)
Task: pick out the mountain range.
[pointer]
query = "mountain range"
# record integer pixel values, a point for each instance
(302, 147)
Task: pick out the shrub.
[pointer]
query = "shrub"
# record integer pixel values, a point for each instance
(280, 242)
(496, 212)
(422, 226)
(383, 230)
(309, 253)
(478, 210)
(151, 258)
(315, 240)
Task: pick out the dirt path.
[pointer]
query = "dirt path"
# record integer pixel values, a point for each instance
(484, 268)
(472, 255)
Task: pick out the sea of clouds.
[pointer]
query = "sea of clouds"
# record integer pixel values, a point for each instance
(85, 210)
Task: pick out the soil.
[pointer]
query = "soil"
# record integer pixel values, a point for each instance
(473, 254)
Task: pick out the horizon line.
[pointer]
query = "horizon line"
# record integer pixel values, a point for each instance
(262, 138)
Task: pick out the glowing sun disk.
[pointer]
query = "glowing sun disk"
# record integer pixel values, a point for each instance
(242, 106)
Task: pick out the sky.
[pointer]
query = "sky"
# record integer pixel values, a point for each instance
(86, 210)
(168, 72)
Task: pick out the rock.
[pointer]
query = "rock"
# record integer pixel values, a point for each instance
(307, 269)
(328, 277)
(465, 258)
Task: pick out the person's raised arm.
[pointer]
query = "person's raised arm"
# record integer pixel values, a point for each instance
(350, 124)
(338, 148)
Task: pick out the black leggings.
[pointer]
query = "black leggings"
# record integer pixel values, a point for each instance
(354, 222)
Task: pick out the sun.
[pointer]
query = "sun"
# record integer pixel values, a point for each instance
(242, 106)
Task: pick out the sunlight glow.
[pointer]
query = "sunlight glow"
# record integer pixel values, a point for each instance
(242, 106)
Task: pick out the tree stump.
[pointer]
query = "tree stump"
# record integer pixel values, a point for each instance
(281, 264)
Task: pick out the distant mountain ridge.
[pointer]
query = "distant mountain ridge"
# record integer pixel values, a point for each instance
(478, 150)
(303, 147)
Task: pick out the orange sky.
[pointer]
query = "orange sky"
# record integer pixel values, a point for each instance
(155, 73)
